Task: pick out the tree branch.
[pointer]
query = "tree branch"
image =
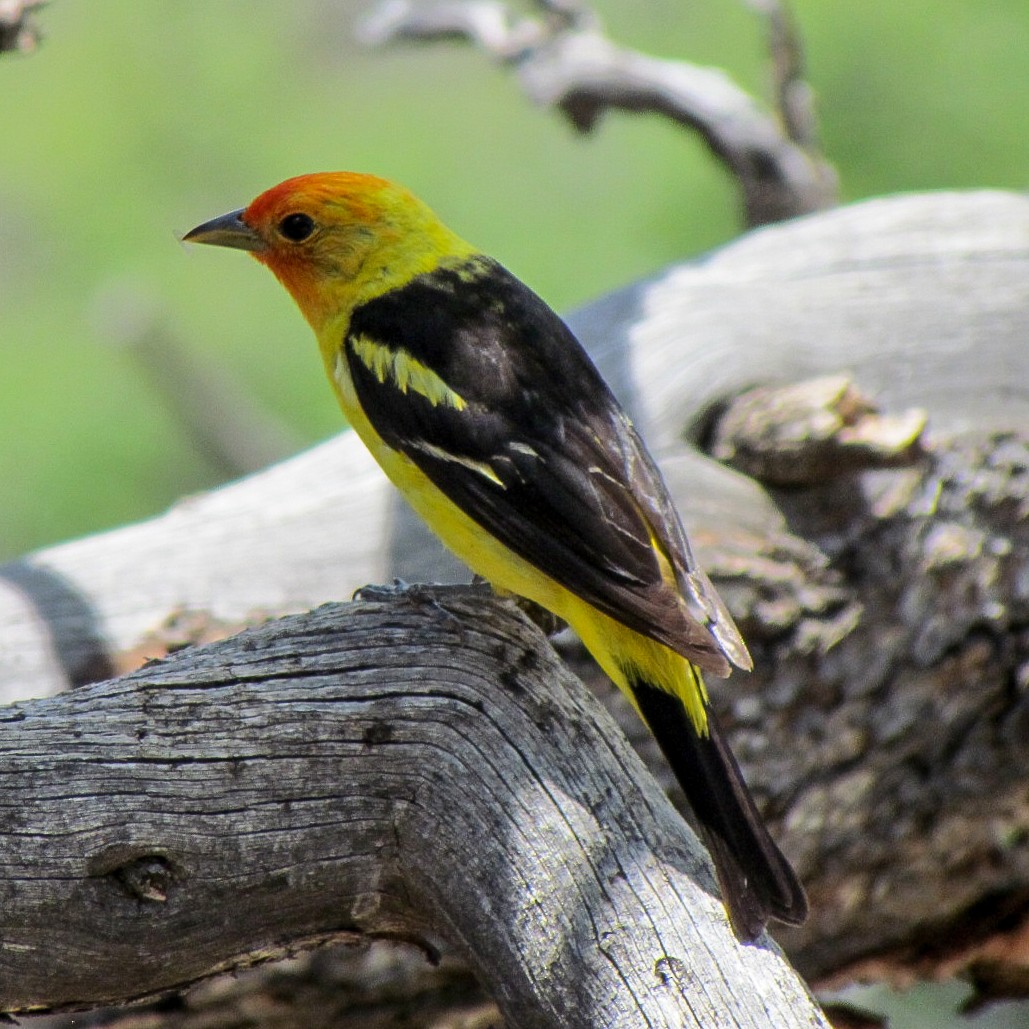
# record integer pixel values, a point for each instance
(405, 766)
(794, 97)
(564, 61)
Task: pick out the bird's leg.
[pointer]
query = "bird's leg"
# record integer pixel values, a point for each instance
(380, 591)
(425, 596)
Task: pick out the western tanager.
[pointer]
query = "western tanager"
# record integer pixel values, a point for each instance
(484, 410)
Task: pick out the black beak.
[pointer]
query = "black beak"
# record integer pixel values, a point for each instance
(229, 230)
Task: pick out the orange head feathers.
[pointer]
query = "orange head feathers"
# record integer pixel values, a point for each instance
(351, 194)
(336, 239)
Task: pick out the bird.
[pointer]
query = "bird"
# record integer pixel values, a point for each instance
(485, 411)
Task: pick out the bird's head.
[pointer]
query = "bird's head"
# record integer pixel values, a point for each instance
(336, 239)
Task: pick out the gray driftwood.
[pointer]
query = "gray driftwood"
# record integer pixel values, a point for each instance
(405, 767)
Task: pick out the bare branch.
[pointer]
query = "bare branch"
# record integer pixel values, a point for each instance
(794, 96)
(487, 25)
(567, 63)
(409, 766)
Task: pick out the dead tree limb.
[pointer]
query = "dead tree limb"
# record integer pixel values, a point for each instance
(405, 767)
(794, 96)
(563, 60)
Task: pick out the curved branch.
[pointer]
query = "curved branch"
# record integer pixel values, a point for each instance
(408, 765)
(565, 62)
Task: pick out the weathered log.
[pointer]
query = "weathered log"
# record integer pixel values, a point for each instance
(400, 767)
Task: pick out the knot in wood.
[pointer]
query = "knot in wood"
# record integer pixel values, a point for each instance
(147, 879)
(144, 875)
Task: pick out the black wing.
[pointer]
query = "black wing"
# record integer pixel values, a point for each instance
(538, 451)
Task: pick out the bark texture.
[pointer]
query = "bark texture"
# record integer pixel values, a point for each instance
(410, 765)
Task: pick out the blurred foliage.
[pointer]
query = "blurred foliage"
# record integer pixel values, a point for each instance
(133, 121)
(935, 1006)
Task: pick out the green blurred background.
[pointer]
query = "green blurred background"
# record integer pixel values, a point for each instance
(134, 121)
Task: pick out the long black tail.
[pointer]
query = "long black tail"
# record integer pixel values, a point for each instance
(757, 881)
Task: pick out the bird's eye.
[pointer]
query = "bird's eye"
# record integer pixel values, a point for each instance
(296, 227)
